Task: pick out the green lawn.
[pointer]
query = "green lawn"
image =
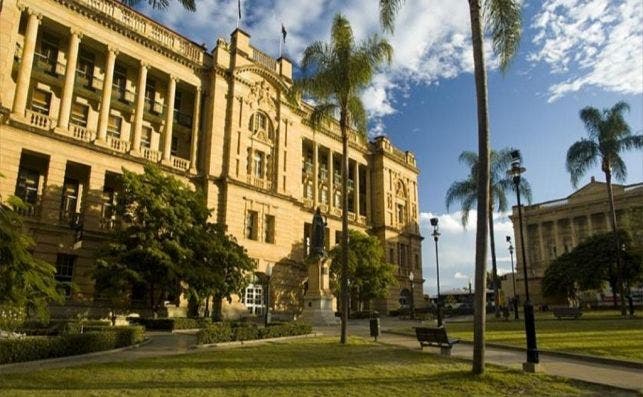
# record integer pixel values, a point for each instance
(315, 367)
(599, 334)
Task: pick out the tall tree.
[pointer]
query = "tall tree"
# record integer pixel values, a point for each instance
(368, 271)
(466, 192)
(335, 74)
(609, 136)
(26, 282)
(504, 23)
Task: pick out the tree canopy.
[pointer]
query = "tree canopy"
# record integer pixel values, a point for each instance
(369, 274)
(166, 245)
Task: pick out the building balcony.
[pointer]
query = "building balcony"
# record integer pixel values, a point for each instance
(82, 133)
(337, 211)
(117, 144)
(337, 179)
(308, 202)
(151, 155)
(259, 182)
(180, 163)
(154, 108)
(89, 82)
(323, 175)
(40, 120)
(43, 63)
(29, 210)
(122, 94)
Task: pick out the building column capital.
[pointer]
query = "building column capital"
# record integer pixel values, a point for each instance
(174, 78)
(112, 49)
(76, 32)
(144, 65)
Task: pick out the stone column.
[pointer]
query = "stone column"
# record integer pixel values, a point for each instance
(315, 174)
(356, 190)
(368, 193)
(26, 63)
(70, 76)
(169, 119)
(196, 115)
(331, 181)
(140, 108)
(103, 117)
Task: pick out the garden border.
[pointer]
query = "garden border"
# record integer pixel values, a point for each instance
(239, 343)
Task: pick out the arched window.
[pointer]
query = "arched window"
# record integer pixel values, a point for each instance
(260, 122)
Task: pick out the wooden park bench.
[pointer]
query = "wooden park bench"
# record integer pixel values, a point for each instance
(567, 312)
(435, 337)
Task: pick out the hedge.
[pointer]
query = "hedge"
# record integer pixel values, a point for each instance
(58, 326)
(226, 332)
(39, 347)
(171, 324)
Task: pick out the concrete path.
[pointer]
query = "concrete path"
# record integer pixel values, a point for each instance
(605, 374)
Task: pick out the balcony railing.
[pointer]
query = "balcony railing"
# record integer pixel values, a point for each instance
(82, 133)
(146, 27)
(179, 163)
(264, 59)
(29, 210)
(40, 120)
(120, 145)
(259, 182)
(151, 155)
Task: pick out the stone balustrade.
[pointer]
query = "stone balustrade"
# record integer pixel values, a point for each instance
(120, 145)
(151, 155)
(264, 59)
(40, 120)
(180, 163)
(81, 133)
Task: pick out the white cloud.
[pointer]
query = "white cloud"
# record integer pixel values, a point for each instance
(588, 43)
(461, 276)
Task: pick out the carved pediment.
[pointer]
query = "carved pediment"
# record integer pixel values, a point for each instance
(261, 95)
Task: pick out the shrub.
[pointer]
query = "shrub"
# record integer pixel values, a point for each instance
(37, 348)
(170, 324)
(215, 333)
(226, 332)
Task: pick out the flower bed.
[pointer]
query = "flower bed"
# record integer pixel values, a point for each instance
(227, 332)
(40, 347)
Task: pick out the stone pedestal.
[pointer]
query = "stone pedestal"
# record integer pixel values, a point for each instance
(318, 301)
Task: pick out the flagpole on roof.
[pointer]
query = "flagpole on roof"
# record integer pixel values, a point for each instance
(239, 14)
(282, 43)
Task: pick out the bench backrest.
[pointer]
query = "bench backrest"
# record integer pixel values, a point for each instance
(436, 335)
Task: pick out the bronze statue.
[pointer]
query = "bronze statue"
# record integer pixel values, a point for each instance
(318, 235)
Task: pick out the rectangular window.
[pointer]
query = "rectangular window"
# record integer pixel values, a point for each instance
(120, 81)
(114, 126)
(65, 271)
(48, 53)
(41, 101)
(307, 237)
(269, 229)
(400, 213)
(27, 185)
(258, 164)
(338, 237)
(70, 199)
(79, 114)
(252, 225)
(146, 138)
(85, 67)
(175, 146)
(150, 96)
(253, 299)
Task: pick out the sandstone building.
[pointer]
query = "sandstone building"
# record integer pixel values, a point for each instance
(89, 87)
(556, 227)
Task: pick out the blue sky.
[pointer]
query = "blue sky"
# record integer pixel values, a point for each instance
(573, 53)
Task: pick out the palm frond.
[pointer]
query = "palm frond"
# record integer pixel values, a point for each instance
(525, 190)
(632, 142)
(468, 158)
(619, 170)
(357, 114)
(592, 119)
(461, 191)
(467, 206)
(317, 54)
(388, 11)
(581, 156)
(504, 23)
(321, 112)
(377, 51)
(500, 197)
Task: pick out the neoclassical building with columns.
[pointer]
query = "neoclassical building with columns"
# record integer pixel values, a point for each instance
(555, 227)
(89, 87)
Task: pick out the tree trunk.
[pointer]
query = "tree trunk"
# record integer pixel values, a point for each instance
(483, 192)
(344, 280)
(494, 268)
(619, 270)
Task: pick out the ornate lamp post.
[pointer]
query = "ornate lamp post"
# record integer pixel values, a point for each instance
(411, 277)
(530, 323)
(513, 278)
(268, 276)
(436, 235)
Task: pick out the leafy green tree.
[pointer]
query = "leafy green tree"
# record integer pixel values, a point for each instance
(590, 264)
(609, 136)
(369, 274)
(335, 74)
(219, 267)
(504, 23)
(158, 212)
(26, 282)
(466, 192)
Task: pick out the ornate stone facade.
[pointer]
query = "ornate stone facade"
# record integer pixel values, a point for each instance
(89, 87)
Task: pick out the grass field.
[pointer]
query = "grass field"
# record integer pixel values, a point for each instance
(311, 367)
(595, 333)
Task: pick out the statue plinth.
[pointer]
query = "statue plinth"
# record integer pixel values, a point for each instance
(318, 300)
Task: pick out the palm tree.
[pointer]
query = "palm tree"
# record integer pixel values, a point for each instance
(466, 192)
(503, 19)
(189, 5)
(335, 74)
(609, 135)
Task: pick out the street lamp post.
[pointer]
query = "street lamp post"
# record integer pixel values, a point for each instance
(436, 235)
(268, 276)
(411, 277)
(530, 323)
(513, 278)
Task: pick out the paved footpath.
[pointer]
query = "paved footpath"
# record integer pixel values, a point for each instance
(606, 374)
